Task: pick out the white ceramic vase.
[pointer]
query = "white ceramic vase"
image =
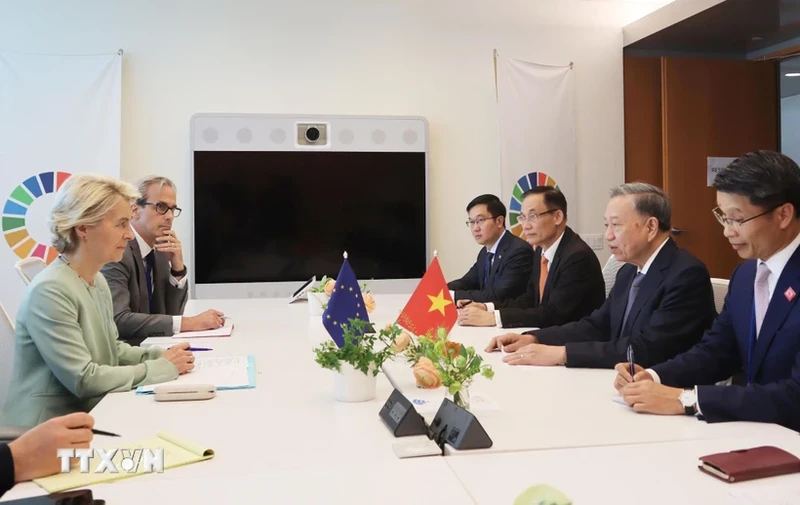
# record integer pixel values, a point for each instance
(351, 385)
(316, 303)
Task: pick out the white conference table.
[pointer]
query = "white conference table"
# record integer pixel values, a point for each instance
(289, 441)
(656, 474)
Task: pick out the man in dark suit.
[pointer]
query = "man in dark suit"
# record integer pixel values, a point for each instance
(504, 263)
(758, 331)
(149, 285)
(660, 305)
(567, 280)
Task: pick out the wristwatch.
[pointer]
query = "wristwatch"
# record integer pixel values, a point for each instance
(178, 273)
(689, 401)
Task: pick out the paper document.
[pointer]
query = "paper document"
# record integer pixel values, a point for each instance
(619, 399)
(233, 372)
(224, 331)
(177, 452)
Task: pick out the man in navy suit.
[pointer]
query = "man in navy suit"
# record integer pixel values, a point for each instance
(504, 263)
(660, 305)
(758, 331)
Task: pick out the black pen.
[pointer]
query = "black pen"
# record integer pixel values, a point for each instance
(631, 361)
(106, 433)
(464, 304)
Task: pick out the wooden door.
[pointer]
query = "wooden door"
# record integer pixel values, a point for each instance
(718, 108)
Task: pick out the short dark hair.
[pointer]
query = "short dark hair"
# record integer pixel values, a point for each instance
(768, 179)
(553, 198)
(493, 205)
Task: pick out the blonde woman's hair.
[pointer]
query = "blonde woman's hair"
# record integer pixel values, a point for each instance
(144, 184)
(84, 199)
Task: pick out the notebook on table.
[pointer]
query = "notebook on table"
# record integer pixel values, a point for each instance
(177, 452)
(224, 372)
(749, 464)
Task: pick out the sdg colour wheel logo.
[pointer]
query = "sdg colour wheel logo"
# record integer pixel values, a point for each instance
(526, 182)
(15, 213)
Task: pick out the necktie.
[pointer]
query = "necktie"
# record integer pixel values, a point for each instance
(631, 298)
(149, 261)
(489, 261)
(542, 277)
(761, 294)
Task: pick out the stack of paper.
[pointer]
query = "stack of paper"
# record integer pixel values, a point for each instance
(236, 372)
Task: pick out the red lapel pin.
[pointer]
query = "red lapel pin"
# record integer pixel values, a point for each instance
(789, 294)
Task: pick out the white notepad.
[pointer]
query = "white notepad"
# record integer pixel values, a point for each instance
(230, 372)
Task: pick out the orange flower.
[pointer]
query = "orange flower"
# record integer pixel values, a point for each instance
(369, 302)
(401, 342)
(451, 349)
(426, 375)
(329, 286)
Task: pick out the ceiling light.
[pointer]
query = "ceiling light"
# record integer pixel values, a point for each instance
(792, 74)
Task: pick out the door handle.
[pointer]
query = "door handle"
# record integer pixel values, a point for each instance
(677, 231)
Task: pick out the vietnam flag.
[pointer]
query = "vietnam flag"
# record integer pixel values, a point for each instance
(430, 305)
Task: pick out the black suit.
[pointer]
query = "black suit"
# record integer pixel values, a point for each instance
(6, 469)
(674, 306)
(573, 289)
(508, 276)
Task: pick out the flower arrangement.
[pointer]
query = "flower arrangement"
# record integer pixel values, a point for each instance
(440, 362)
(326, 285)
(359, 350)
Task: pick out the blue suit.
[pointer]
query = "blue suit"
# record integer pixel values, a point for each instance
(773, 395)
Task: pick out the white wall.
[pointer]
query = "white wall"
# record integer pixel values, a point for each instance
(413, 57)
(790, 127)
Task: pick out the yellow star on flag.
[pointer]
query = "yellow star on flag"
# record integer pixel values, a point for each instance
(438, 302)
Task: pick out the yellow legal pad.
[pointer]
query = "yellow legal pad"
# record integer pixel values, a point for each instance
(177, 452)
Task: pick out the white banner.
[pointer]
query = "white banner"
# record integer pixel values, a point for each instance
(536, 114)
(59, 115)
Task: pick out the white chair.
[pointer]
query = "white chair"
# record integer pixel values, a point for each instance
(6, 354)
(720, 287)
(29, 268)
(610, 272)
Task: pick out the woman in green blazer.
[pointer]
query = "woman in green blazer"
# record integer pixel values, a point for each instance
(66, 354)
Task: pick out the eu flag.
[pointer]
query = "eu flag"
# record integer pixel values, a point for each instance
(346, 303)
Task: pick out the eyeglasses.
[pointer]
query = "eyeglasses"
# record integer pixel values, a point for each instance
(522, 218)
(736, 223)
(470, 223)
(162, 208)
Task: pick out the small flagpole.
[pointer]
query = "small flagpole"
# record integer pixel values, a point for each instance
(345, 255)
(435, 253)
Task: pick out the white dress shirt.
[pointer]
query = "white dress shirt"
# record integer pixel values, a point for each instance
(549, 254)
(145, 249)
(493, 251)
(776, 263)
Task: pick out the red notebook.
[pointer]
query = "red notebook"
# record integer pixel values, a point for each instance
(749, 464)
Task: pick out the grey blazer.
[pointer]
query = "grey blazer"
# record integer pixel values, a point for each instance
(129, 292)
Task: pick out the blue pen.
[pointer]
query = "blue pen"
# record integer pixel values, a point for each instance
(199, 349)
(631, 361)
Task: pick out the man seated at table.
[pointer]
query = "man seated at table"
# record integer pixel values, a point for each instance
(567, 280)
(660, 305)
(504, 263)
(758, 331)
(149, 284)
(34, 454)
